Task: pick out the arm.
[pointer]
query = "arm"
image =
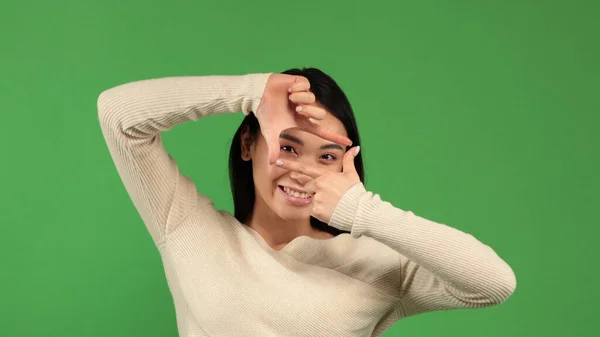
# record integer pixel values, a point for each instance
(133, 115)
(441, 267)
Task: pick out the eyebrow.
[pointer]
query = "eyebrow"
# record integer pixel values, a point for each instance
(300, 142)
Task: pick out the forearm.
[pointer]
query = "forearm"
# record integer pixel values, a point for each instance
(155, 105)
(454, 257)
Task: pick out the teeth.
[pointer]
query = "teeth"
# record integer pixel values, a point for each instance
(296, 194)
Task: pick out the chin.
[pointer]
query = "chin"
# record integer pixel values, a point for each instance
(290, 213)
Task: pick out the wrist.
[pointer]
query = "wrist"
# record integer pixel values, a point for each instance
(256, 84)
(344, 214)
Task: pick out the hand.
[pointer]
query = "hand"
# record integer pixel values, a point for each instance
(277, 111)
(328, 187)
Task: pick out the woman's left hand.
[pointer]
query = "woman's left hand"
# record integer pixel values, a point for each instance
(328, 187)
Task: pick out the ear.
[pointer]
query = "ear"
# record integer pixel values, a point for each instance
(246, 144)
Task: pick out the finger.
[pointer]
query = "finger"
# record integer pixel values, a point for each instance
(348, 162)
(302, 97)
(301, 83)
(295, 166)
(327, 134)
(311, 186)
(311, 111)
(301, 178)
(273, 146)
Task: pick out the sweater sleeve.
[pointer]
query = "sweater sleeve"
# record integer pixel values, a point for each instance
(132, 117)
(441, 267)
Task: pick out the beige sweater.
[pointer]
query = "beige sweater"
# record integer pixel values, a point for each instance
(227, 282)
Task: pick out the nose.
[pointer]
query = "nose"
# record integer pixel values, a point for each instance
(308, 160)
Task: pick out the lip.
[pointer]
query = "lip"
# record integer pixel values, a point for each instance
(294, 200)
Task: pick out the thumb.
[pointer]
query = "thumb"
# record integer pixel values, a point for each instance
(272, 140)
(348, 163)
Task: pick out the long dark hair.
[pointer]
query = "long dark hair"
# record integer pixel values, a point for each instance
(333, 99)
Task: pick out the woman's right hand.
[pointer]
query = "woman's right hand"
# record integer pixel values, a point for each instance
(277, 112)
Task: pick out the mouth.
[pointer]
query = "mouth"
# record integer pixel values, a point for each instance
(295, 197)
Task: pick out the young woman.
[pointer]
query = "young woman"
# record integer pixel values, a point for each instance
(308, 251)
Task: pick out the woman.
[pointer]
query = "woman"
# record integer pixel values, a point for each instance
(309, 251)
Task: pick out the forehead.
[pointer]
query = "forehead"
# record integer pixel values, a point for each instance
(330, 122)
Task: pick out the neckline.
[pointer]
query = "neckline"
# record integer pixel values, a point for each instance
(292, 245)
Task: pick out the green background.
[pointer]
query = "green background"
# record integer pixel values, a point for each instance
(479, 114)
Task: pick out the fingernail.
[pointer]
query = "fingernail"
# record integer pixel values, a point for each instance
(356, 151)
(299, 108)
(289, 89)
(278, 162)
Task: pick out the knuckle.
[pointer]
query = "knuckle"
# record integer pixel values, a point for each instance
(305, 81)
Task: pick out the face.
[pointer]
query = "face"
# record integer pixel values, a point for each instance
(278, 191)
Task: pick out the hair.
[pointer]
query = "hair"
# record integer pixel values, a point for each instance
(332, 98)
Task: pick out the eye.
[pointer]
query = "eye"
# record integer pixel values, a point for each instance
(329, 156)
(288, 148)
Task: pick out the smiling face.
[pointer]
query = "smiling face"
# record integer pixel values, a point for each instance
(277, 191)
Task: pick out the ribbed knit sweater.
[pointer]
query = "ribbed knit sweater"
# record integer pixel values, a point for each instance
(226, 281)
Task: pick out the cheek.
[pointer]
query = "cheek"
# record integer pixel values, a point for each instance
(264, 176)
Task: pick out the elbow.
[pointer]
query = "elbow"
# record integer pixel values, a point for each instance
(501, 287)
(106, 105)
(510, 285)
(113, 109)
(489, 290)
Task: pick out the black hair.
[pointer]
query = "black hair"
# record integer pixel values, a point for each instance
(332, 98)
